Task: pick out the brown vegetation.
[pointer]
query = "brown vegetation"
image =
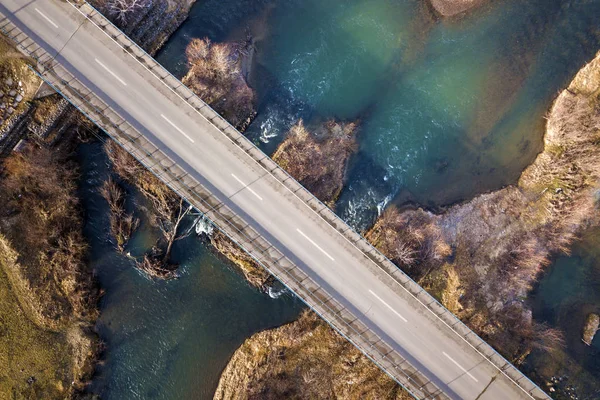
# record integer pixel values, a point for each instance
(168, 210)
(216, 75)
(18, 84)
(318, 160)
(305, 359)
(148, 22)
(122, 225)
(47, 294)
(497, 244)
(254, 273)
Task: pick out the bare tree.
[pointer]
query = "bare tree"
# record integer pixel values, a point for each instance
(122, 8)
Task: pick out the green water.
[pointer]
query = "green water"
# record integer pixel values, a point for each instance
(569, 291)
(447, 110)
(167, 340)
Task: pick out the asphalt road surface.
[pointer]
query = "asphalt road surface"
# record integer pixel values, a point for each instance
(90, 55)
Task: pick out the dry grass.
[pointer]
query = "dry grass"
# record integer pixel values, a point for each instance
(216, 76)
(254, 273)
(303, 360)
(47, 295)
(500, 242)
(319, 159)
(167, 212)
(122, 225)
(411, 240)
(40, 217)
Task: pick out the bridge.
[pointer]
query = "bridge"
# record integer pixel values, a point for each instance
(334, 270)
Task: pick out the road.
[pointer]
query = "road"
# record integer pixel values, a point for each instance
(89, 54)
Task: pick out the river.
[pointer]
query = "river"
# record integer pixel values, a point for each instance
(447, 110)
(166, 339)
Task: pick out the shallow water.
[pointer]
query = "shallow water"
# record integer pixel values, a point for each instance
(167, 340)
(447, 110)
(567, 293)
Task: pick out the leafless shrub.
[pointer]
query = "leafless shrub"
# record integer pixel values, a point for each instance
(168, 209)
(122, 225)
(216, 76)
(318, 159)
(121, 9)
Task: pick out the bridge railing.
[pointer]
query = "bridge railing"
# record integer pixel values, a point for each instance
(225, 219)
(331, 310)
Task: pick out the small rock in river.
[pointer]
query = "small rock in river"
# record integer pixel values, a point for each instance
(10, 110)
(19, 98)
(9, 82)
(12, 93)
(592, 322)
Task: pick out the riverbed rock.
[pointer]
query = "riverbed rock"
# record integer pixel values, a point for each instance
(19, 98)
(9, 82)
(449, 8)
(592, 322)
(12, 93)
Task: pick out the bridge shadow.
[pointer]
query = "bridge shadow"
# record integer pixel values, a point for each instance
(230, 204)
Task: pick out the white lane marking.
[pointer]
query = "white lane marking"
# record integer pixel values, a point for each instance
(459, 366)
(46, 18)
(314, 244)
(388, 306)
(308, 206)
(110, 72)
(176, 127)
(246, 187)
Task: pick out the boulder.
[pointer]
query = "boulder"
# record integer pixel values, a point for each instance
(592, 322)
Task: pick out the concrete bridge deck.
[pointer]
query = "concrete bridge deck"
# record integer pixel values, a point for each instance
(289, 232)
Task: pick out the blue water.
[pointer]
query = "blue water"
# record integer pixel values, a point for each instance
(167, 339)
(447, 110)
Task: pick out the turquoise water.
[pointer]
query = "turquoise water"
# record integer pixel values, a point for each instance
(167, 340)
(447, 110)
